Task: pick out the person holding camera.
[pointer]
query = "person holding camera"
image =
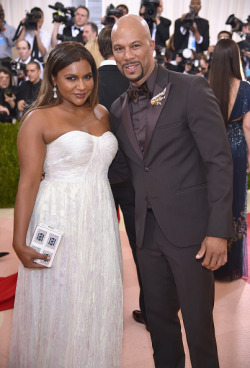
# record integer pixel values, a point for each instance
(191, 31)
(159, 26)
(6, 35)
(19, 64)
(7, 96)
(244, 46)
(75, 30)
(28, 91)
(32, 31)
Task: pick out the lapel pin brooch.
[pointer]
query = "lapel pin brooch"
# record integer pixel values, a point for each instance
(156, 100)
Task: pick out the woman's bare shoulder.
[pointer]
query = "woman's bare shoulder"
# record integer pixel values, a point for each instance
(102, 114)
(35, 121)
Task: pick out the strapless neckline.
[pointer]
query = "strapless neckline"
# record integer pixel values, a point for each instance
(77, 131)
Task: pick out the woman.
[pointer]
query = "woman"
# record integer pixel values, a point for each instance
(233, 93)
(71, 314)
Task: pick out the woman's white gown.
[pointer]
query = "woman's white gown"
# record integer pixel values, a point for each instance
(70, 316)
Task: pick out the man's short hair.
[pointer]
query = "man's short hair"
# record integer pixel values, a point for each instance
(36, 9)
(93, 27)
(83, 7)
(5, 70)
(104, 41)
(123, 7)
(227, 32)
(32, 62)
(27, 42)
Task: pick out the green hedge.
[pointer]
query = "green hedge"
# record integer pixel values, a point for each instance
(9, 168)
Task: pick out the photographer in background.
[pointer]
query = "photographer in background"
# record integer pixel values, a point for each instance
(159, 27)
(75, 30)
(32, 31)
(113, 14)
(245, 48)
(191, 31)
(90, 31)
(18, 66)
(28, 91)
(6, 34)
(7, 96)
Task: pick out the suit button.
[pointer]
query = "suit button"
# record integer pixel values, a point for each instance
(146, 169)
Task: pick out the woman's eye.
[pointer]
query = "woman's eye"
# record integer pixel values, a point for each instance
(87, 77)
(71, 78)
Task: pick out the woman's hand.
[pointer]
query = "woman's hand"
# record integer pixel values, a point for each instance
(27, 255)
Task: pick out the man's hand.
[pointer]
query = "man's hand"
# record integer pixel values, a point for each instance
(215, 251)
(4, 109)
(21, 105)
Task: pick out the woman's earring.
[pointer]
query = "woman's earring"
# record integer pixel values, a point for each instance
(55, 94)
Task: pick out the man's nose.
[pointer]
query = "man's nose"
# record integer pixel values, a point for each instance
(128, 54)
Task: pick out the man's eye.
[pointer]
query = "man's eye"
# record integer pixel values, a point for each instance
(135, 46)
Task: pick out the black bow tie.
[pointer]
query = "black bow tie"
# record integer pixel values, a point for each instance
(77, 28)
(134, 93)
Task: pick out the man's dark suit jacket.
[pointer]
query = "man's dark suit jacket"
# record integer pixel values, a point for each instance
(67, 32)
(181, 41)
(110, 75)
(186, 170)
(162, 32)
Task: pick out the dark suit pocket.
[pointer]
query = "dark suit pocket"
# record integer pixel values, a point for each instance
(192, 188)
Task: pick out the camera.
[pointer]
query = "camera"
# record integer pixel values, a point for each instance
(150, 8)
(65, 38)
(17, 67)
(30, 21)
(62, 14)
(188, 21)
(235, 23)
(195, 66)
(111, 12)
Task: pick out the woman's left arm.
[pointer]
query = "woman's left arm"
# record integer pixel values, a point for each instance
(246, 128)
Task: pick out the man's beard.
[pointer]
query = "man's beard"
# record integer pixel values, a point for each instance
(136, 79)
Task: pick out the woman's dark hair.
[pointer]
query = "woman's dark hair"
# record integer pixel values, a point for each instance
(60, 57)
(226, 65)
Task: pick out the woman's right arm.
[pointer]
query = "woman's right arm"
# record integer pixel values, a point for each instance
(31, 153)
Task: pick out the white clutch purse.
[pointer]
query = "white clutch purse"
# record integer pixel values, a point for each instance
(46, 240)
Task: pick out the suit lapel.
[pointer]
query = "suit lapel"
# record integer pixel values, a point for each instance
(154, 112)
(128, 125)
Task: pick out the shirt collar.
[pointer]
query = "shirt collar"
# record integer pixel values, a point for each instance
(108, 62)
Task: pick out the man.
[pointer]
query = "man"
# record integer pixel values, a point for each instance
(221, 35)
(7, 96)
(111, 85)
(159, 26)
(195, 35)
(38, 38)
(6, 34)
(245, 48)
(28, 91)
(24, 52)
(173, 143)
(75, 31)
(90, 31)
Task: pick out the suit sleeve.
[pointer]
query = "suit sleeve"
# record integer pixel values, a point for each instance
(163, 30)
(204, 31)
(118, 170)
(180, 40)
(208, 129)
